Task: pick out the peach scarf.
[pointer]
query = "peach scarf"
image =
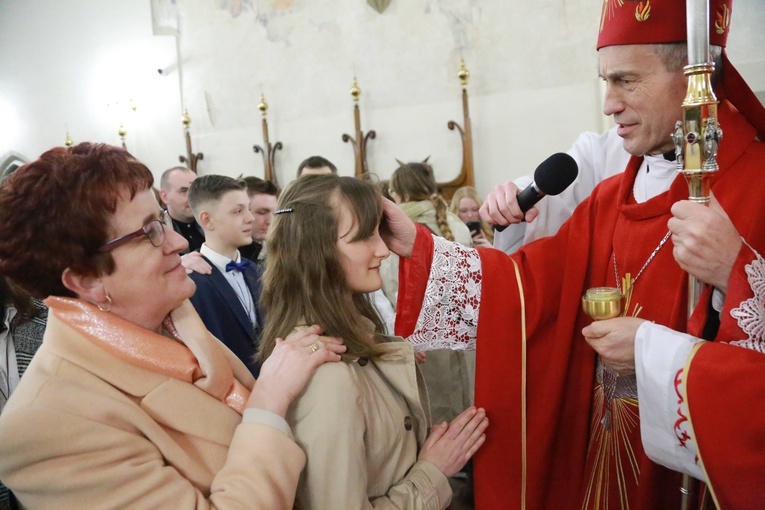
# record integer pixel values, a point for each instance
(195, 356)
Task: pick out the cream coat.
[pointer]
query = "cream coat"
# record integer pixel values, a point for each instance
(88, 430)
(361, 426)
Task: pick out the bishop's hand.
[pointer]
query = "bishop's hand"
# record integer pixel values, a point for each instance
(397, 230)
(706, 241)
(614, 341)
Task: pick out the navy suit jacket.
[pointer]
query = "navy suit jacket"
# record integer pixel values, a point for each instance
(218, 305)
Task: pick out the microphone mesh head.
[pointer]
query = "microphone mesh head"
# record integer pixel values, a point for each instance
(555, 173)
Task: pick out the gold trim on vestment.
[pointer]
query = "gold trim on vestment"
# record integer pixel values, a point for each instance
(523, 384)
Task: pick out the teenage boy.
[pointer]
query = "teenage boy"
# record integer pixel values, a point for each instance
(227, 298)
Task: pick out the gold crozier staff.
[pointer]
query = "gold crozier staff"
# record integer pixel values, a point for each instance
(696, 142)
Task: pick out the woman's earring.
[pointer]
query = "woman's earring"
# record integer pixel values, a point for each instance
(105, 307)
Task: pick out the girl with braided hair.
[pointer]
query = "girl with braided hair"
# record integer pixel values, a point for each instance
(414, 188)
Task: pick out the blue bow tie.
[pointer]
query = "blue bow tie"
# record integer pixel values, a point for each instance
(239, 266)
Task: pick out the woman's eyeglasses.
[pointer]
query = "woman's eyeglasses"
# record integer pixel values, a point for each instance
(154, 231)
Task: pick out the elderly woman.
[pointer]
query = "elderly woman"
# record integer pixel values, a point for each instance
(130, 402)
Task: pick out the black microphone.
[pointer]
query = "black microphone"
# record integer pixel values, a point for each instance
(551, 177)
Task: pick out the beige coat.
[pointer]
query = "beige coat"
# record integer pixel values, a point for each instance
(88, 430)
(361, 426)
(449, 375)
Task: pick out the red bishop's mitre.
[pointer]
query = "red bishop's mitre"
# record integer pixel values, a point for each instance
(657, 21)
(663, 21)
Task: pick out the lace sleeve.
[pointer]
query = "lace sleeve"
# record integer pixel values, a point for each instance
(750, 314)
(449, 315)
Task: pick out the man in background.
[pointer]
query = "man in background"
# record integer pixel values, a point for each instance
(174, 192)
(316, 165)
(263, 195)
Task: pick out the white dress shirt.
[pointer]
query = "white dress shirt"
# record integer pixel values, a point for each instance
(234, 278)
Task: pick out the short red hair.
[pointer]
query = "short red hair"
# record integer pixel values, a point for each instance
(55, 213)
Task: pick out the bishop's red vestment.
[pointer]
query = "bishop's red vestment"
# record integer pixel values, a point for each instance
(724, 385)
(555, 440)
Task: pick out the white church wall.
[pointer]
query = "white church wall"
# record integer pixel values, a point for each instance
(530, 93)
(533, 84)
(61, 63)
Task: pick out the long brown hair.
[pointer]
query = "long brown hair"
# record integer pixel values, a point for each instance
(415, 182)
(304, 280)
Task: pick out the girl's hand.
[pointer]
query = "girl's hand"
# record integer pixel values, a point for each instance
(449, 447)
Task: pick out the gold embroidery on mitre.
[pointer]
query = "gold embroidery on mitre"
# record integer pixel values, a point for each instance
(642, 12)
(607, 12)
(723, 19)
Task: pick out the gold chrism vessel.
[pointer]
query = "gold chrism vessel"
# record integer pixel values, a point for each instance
(603, 303)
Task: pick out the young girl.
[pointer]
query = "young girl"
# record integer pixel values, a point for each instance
(362, 422)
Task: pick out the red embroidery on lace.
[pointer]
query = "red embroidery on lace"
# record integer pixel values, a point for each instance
(449, 315)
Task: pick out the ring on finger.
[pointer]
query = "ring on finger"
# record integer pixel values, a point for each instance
(314, 347)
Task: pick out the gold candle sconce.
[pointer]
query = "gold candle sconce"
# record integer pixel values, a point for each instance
(359, 143)
(190, 159)
(268, 151)
(466, 173)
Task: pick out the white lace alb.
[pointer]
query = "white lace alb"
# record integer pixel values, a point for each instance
(750, 314)
(449, 315)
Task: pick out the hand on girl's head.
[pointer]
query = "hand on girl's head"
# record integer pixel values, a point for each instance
(397, 229)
